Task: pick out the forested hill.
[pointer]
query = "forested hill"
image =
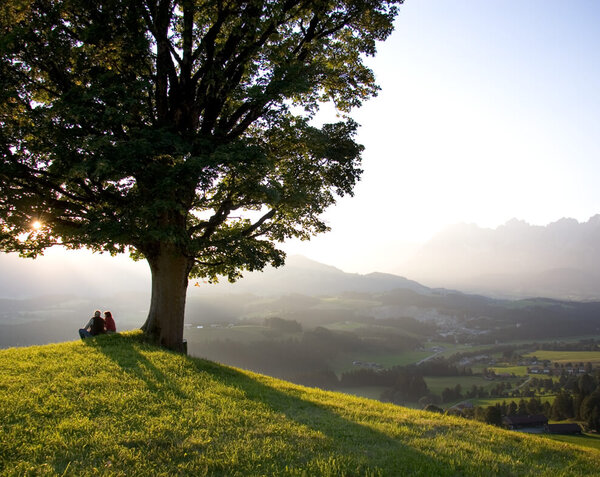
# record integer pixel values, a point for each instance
(117, 406)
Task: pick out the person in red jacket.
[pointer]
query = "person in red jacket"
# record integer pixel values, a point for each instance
(109, 323)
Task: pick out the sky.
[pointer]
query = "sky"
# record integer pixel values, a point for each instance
(488, 111)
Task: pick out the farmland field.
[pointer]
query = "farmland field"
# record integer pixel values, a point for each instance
(387, 360)
(437, 384)
(516, 370)
(563, 357)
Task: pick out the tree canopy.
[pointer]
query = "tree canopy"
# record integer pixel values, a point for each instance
(179, 131)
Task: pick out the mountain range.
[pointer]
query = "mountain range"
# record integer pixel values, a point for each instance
(560, 260)
(307, 277)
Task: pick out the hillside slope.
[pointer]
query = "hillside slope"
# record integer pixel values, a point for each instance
(118, 406)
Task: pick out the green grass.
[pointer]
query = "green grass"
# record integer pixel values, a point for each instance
(117, 406)
(516, 370)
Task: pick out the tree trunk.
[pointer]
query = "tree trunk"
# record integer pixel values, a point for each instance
(170, 269)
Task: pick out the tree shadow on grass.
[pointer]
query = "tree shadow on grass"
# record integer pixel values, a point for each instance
(356, 449)
(126, 352)
(334, 444)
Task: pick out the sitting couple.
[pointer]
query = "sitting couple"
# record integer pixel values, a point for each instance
(98, 325)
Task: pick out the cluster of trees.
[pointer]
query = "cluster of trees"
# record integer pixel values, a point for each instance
(407, 383)
(552, 386)
(452, 394)
(403, 383)
(586, 399)
(387, 377)
(581, 407)
(443, 367)
(525, 407)
(408, 387)
(590, 344)
(493, 414)
(582, 403)
(456, 393)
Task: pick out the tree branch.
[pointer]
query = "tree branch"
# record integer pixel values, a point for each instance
(247, 232)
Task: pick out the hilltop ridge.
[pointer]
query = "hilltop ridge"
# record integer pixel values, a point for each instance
(116, 405)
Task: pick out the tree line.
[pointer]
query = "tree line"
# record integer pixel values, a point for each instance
(580, 402)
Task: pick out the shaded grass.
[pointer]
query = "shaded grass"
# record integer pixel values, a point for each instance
(115, 405)
(585, 440)
(371, 392)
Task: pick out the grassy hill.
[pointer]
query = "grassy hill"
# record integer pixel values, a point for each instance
(118, 406)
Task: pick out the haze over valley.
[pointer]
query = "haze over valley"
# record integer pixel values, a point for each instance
(48, 299)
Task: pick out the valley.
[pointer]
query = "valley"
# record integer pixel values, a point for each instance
(385, 338)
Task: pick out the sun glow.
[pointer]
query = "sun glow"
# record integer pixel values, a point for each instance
(36, 225)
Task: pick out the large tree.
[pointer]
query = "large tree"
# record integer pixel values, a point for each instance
(179, 131)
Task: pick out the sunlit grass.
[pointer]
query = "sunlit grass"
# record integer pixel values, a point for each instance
(516, 370)
(115, 405)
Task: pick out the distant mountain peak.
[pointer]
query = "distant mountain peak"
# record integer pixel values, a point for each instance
(300, 261)
(514, 259)
(514, 222)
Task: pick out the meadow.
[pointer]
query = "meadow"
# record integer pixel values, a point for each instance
(516, 370)
(118, 406)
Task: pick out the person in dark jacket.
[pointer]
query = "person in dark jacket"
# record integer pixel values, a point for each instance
(94, 327)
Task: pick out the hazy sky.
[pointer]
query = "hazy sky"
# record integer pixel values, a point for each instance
(489, 110)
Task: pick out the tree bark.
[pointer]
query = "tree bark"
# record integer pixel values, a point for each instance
(170, 270)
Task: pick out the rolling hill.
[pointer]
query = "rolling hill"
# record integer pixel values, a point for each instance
(118, 406)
